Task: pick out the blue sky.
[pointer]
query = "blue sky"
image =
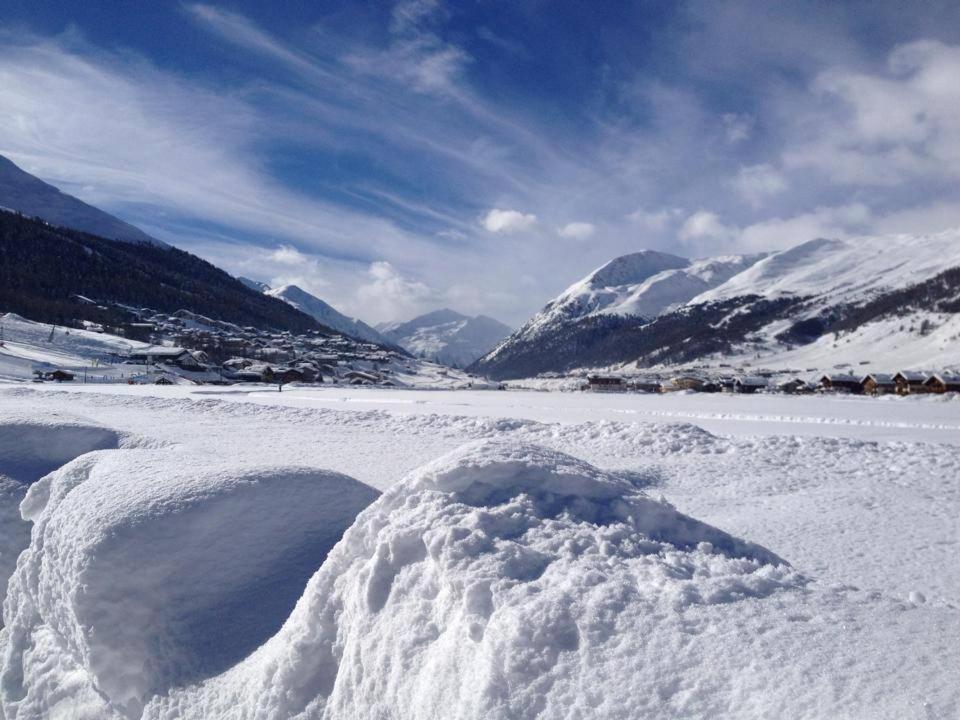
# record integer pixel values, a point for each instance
(398, 157)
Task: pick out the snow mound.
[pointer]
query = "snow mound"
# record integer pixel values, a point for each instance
(32, 446)
(145, 572)
(500, 581)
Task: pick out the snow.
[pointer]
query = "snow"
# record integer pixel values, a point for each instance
(645, 284)
(843, 270)
(516, 565)
(325, 313)
(147, 573)
(31, 447)
(447, 336)
(26, 345)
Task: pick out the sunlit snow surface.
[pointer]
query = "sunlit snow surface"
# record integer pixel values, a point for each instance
(542, 555)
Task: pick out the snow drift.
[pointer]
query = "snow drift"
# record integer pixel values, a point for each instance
(30, 447)
(500, 581)
(146, 572)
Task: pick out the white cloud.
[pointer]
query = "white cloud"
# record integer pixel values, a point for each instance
(389, 294)
(822, 222)
(508, 221)
(289, 255)
(577, 230)
(886, 129)
(656, 220)
(757, 183)
(704, 224)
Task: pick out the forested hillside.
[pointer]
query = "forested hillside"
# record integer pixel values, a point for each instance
(43, 270)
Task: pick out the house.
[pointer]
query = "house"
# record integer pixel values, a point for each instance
(159, 354)
(685, 382)
(749, 385)
(605, 383)
(59, 376)
(878, 384)
(358, 377)
(287, 375)
(841, 383)
(942, 382)
(163, 381)
(796, 386)
(651, 385)
(910, 381)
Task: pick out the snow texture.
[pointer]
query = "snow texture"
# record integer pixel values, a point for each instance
(477, 587)
(326, 314)
(446, 336)
(506, 579)
(31, 447)
(146, 573)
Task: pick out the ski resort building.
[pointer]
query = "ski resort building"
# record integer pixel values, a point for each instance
(878, 384)
(941, 383)
(841, 383)
(910, 382)
(605, 383)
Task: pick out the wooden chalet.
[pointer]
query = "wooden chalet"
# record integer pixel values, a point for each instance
(686, 382)
(795, 386)
(878, 384)
(649, 385)
(910, 382)
(841, 383)
(942, 383)
(749, 385)
(606, 383)
(287, 375)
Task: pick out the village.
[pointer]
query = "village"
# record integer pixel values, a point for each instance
(905, 382)
(187, 348)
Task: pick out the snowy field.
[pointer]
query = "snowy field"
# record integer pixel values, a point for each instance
(552, 555)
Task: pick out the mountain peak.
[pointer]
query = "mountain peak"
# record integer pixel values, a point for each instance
(323, 312)
(634, 267)
(447, 336)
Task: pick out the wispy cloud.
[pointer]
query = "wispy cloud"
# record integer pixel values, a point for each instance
(413, 163)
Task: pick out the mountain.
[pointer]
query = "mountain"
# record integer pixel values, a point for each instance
(58, 275)
(255, 285)
(809, 305)
(323, 313)
(627, 291)
(446, 336)
(22, 192)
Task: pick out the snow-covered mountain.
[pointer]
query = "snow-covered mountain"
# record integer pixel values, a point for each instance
(24, 193)
(635, 310)
(321, 311)
(446, 336)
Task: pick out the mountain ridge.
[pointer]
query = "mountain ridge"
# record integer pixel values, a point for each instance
(774, 303)
(29, 195)
(447, 336)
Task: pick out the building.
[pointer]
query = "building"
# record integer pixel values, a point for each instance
(55, 375)
(878, 384)
(605, 383)
(942, 382)
(910, 381)
(160, 354)
(841, 383)
(650, 385)
(796, 386)
(686, 382)
(749, 385)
